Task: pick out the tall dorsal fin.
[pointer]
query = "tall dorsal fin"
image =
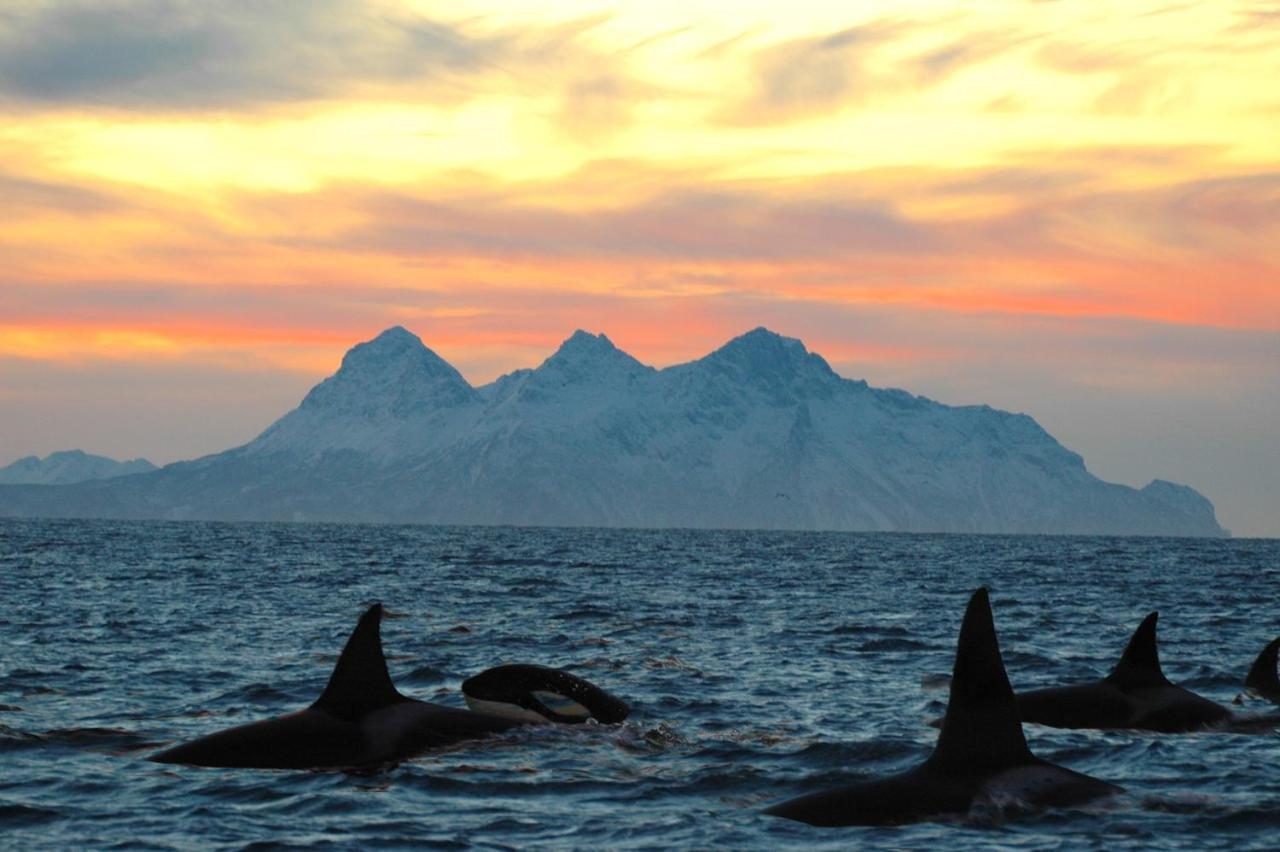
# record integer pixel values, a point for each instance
(360, 682)
(1262, 677)
(981, 728)
(1140, 664)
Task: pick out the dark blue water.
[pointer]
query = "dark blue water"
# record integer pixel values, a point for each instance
(759, 666)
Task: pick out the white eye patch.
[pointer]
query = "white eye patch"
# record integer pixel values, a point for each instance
(504, 710)
(558, 703)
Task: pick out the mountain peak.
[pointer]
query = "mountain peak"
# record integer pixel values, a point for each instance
(393, 341)
(394, 372)
(584, 342)
(396, 332)
(764, 353)
(584, 354)
(761, 333)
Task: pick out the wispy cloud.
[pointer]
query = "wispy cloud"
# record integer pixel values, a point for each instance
(815, 74)
(864, 64)
(680, 224)
(936, 64)
(24, 197)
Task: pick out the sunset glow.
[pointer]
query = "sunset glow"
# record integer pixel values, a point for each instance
(253, 188)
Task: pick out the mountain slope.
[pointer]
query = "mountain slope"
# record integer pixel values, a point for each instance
(760, 433)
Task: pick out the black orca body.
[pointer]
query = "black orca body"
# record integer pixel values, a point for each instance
(1135, 695)
(1262, 679)
(981, 755)
(360, 719)
(536, 693)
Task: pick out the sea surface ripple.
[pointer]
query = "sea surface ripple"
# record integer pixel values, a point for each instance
(759, 666)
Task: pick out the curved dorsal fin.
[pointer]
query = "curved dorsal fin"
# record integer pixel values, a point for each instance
(360, 682)
(1140, 664)
(981, 728)
(1262, 677)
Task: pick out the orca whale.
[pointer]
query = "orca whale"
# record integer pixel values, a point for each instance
(981, 756)
(1135, 695)
(1262, 679)
(537, 693)
(359, 720)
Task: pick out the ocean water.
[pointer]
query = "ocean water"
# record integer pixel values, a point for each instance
(759, 666)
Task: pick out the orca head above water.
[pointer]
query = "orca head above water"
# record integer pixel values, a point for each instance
(532, 693)
(981, 756)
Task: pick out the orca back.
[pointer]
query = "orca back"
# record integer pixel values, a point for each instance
(982, 729)
(360, 682)
(303, 740)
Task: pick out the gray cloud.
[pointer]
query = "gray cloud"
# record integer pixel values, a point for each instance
(212, 54)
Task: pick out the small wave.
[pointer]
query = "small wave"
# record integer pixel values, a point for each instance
(587, 613)
(423, 676)
(21, 678)
(15, 738)
(671, 662)
(114, 741)
(872, 629)
(935, 682)
(891, 645)
(1252, 817)
(254, 693)
(841, 755)
(661, 738)
(532, 583)
(15, 815)
(758, 736)
(1182, 803)
(389, 614)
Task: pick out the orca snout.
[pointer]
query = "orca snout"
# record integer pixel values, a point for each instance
(533, 693)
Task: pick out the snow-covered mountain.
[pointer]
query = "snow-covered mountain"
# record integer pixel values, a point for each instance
(68, 466)
(760, 433)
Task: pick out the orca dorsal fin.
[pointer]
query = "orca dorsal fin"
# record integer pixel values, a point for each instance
(1262, 677)
(982, 728)
(1139, 666)
(360, 682)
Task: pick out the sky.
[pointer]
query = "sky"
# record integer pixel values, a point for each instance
(1070, 210)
